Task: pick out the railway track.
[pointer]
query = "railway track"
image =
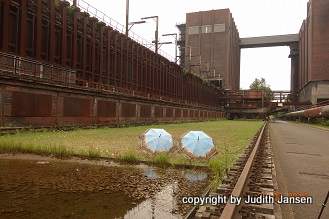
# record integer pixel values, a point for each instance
(251, 177)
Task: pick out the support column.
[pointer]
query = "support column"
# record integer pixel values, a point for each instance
(294, 56)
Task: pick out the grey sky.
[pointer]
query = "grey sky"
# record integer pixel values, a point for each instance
(253, 18)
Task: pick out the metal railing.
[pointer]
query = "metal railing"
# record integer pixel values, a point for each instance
(13, 66)
(30, 69)
(101, 16)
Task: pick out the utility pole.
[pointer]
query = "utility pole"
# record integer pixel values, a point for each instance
(157, 35)
(176, 36)
(127, 18)
(156, 31)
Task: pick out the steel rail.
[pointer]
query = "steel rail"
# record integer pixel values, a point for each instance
(230, 208)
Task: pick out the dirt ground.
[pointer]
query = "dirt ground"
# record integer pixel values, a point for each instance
(37, 187)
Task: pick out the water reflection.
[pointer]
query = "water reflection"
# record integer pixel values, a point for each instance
(195, 176)
(150, 173)
(162, 205)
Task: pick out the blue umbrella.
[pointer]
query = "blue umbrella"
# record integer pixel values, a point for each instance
(198, 143)
(158, 140)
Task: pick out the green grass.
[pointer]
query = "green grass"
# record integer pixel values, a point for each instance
(162, 160)
(51, 150)
(129, 157)
(230, 138)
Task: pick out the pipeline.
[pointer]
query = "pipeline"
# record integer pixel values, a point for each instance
(316, 112)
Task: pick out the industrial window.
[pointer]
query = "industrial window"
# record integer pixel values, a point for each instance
(194, 30)
(206, 29)
(218, 28)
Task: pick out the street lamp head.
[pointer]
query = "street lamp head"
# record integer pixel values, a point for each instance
(137, 22)
(170, 34)
(144, 18)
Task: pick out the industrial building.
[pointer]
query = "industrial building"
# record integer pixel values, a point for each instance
(211, 47)
(312, 81)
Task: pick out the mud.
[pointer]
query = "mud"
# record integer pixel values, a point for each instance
(49, 188)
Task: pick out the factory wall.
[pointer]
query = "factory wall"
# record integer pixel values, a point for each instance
(55, 33)
(43, 105)
(313, 77)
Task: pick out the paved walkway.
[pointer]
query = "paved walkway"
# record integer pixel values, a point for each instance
(301, 155)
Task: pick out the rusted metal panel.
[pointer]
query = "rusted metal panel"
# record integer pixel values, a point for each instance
(31, 105)
(145, 111)
(158, 112)
(169, 112)
(185, 113)
(178, 113)
(128, 110)
(76, 107)
(106, 108)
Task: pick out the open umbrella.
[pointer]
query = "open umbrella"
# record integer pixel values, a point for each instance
(198, 143)
(158, 140)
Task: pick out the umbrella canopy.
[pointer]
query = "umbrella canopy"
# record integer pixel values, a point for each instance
(197, 143)
(158, 140)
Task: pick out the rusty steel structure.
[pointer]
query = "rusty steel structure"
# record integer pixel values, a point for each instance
(320, 110)
(246, 103)
(58, 43)
(56, 32)
(36, 95)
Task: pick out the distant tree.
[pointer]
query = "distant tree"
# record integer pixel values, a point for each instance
(260, 84)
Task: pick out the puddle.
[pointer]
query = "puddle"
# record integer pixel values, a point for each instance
(66, 189)
(162, 205)
(195, 176)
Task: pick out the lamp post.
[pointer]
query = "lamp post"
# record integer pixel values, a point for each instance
(127, 17)
(162, 43)
(175, 35)
(156, 31)
(131, 24)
